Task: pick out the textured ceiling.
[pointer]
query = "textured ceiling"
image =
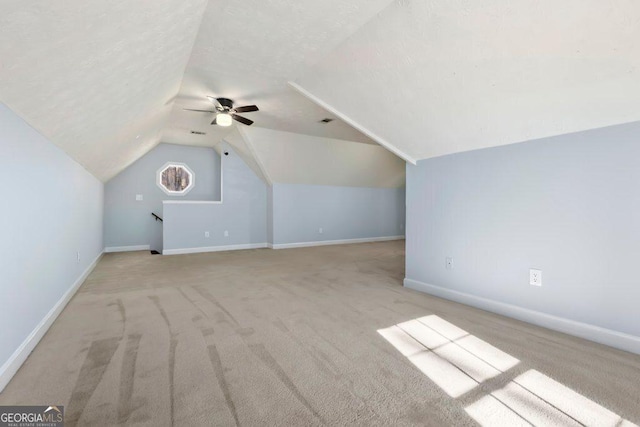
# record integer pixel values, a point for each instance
(106, 81)
(291, 158)
(248, 50)
(96, 77)
(280, 108)
(458, 75)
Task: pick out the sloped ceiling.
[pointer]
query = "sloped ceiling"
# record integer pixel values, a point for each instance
(292, 158)
(97, 78)
(238, 141)
(106, 81)
(443, 76)
(248, 50)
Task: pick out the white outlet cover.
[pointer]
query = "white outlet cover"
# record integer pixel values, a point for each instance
(320, 230)
(226, 233)
(206, 234)
(535, 277)
(139, 197)
(448, 263)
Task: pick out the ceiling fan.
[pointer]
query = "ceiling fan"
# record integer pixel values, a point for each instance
(225, 113)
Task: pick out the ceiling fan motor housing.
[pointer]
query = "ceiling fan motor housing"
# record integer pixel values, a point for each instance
(226, 103)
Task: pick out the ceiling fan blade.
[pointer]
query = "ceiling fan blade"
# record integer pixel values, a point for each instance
(202, 111)
(242, 120)
(246, 109)
(214, 121)
(215, 101)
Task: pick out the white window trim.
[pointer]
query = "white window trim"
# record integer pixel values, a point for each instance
(192, 180)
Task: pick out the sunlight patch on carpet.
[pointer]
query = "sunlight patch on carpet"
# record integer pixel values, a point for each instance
(452, 358)
(458, 362)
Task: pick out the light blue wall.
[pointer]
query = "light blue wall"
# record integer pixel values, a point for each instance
(568, 205)
(270, 214)
(243, 212)
(51, 209)
(129, 222)
(299, 211)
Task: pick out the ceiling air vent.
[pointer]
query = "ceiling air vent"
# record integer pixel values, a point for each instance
(326, 120)
(197, 132)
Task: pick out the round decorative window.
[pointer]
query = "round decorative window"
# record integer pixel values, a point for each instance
(175, 179)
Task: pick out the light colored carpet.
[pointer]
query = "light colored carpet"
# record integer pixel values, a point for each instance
(290, 337)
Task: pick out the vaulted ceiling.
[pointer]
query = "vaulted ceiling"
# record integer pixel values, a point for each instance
(248, 50)
(458, 75)
(108, 80)
(97, 78)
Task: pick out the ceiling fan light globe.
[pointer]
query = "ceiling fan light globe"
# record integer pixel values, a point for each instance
(223, 119)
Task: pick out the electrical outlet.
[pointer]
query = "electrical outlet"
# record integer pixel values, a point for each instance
(535, 277)
(77, 257)
(226, 233)
(448, 262)
(139, 197)
(206, 234)
(320, 230)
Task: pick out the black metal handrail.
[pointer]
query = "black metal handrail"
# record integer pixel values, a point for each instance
(156, 217)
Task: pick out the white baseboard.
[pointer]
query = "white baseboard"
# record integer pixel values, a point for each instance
(11, 366)
(214, 249)
(587, 331)
(127, 248)
(334, 242)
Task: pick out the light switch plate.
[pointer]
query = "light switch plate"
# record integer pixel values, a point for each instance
(139, 197)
